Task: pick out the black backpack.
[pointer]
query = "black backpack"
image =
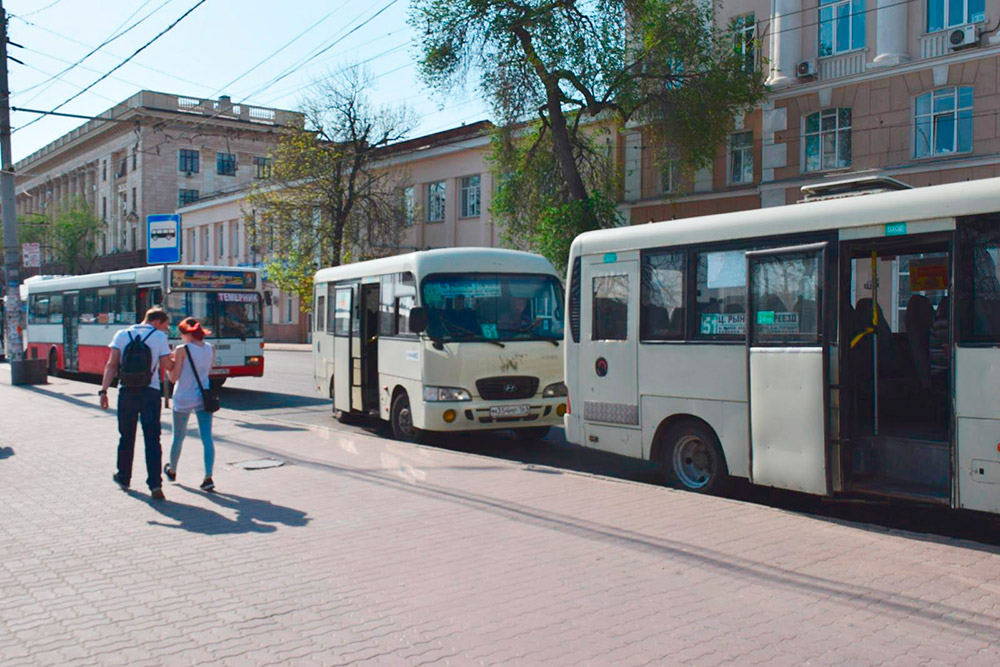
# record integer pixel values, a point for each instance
(136, 369)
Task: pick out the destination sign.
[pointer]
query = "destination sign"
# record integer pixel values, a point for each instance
(212, 279)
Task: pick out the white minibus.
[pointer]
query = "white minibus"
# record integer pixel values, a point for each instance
(456, 339)
(844, 346)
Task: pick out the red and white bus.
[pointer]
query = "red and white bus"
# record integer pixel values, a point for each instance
(71, 319)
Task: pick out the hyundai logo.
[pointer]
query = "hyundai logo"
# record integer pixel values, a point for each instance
(510, 388)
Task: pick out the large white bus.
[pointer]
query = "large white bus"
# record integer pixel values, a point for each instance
(71, 319)
(458, 339)
(842, 346)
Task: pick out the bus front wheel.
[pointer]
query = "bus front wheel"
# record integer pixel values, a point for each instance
(401, 419)
(692, 458)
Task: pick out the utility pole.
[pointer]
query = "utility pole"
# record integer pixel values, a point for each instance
(13, 325)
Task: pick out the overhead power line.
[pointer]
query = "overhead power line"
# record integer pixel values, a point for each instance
(115, 34)
(119, 65)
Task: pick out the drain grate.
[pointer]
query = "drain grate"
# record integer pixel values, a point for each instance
(259, 464)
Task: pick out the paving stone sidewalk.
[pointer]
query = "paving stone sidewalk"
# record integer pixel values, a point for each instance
(366, 551)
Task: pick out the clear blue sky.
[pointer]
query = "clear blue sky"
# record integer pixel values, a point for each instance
(206, 52)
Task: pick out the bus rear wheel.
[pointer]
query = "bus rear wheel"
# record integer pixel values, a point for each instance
(692, 458)
(401, 420)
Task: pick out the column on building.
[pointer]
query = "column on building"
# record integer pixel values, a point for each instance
(786, 42)
(891, 24)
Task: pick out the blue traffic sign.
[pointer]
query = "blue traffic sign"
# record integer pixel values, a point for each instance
(163, 239)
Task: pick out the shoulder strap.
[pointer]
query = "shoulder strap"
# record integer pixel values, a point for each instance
(149, 334)
(187, 353)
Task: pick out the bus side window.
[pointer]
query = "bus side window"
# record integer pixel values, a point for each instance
(662, 295)
(979, 280)
(320, 318)
(574, 301)
(405, 299)
(610, 308)
(720, 293)
(386, 305)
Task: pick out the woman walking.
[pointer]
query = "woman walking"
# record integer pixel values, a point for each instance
(192, 363)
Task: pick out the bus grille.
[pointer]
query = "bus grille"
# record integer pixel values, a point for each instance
(507, 388)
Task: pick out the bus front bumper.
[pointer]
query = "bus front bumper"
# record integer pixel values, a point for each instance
(478, 415)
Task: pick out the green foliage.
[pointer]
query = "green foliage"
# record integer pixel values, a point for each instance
(294, 275)
(71, 237)
(658, 64)
(532, 201)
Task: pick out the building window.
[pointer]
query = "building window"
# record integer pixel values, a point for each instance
(470, 196)
(187, 160)
(104, 170)
(289, 301)
(204, 244)
(745, 36)
(670, 177)
(741, 157)
(185, 197)
(225, 164)
(435, 201)
(942, 122)
(262, 167)
(841, 26)
(135, 157)
(222, 240)
(408, 211)
(135, 202)
(943, 14)
(104, 209)
(828, 139)
(234, 244)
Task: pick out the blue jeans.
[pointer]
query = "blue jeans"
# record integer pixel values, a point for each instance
(204, 429)
(139, 406)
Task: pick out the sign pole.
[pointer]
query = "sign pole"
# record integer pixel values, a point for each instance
(13, 325)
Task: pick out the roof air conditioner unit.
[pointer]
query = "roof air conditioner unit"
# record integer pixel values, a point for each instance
(806, 68)
(963, 38)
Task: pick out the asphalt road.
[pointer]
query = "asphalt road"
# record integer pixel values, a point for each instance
(286, 393)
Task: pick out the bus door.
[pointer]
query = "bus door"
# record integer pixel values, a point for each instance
(71, 331)
(787, 357)
(368, 348)
(345, 336)
(322, 341)
(608, 352)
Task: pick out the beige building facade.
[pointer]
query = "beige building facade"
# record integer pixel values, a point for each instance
(150, 154)
(907, 90)
(447, 193)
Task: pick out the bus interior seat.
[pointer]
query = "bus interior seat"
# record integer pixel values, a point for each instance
(919, 319)
(807, 312)
(677, 320)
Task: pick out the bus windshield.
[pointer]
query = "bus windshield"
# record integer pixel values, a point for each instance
(226, 314)
(493, 306)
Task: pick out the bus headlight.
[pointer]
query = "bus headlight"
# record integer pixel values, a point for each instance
(435, 394)
(554, 390)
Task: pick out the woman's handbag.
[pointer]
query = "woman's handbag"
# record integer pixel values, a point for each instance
(209, 396)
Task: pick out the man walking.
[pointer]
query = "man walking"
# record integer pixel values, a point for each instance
(137, 354)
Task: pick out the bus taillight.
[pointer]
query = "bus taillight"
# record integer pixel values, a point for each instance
(254, 361)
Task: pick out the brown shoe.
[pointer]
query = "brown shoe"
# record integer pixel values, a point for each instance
(157, 494)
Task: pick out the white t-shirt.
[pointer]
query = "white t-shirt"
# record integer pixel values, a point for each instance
(158, 344)
(187, 391)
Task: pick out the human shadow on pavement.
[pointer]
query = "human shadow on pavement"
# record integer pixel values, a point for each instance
(6, 452)
(252, 516)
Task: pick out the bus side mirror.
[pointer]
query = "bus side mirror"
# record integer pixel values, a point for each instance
(418, 320)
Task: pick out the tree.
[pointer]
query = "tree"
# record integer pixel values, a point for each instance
(573, 64)
(71, 237)
(327, 199)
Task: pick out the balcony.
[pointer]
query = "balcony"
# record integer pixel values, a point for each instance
(843, 64)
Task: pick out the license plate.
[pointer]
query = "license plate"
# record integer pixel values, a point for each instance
(219, 371)
(509, 411)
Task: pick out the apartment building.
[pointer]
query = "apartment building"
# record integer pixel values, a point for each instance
(152, 153)
(905, 89)
(447, 194)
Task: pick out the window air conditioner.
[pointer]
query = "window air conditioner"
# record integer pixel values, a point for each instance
(962, 38)
(806, 68)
